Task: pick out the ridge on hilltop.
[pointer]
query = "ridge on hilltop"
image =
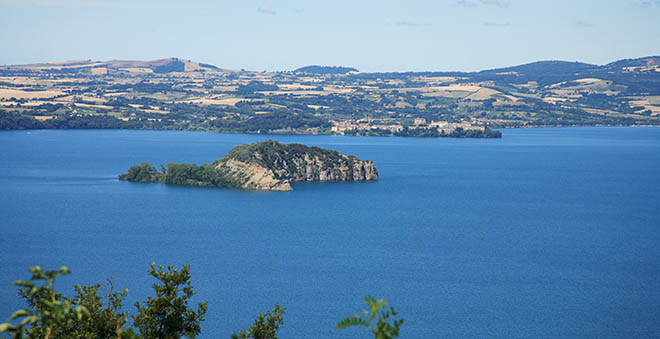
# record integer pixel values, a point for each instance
(267, 165)
(316, 69)
(115, 67)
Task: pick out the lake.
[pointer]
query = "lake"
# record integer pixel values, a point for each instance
(549, 232)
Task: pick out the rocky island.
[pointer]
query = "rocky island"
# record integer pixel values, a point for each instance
(267, 165)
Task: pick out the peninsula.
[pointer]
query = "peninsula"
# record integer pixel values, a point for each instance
(267, 165)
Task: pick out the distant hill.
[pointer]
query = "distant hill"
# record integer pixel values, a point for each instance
(563, 68)
(316, 69)
(625, 72)
(545, 68)
(651, 61)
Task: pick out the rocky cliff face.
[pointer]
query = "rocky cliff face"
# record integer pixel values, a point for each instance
(253, 176)
(270, 165)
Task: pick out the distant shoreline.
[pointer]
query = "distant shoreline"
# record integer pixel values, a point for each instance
(179, 94)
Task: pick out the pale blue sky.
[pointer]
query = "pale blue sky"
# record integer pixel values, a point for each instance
(442, 35)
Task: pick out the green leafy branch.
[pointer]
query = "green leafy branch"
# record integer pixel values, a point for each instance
(376, 318)
(52, 312)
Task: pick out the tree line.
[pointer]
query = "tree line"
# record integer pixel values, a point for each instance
(13, 121)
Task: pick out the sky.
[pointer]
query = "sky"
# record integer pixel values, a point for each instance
(373, 36)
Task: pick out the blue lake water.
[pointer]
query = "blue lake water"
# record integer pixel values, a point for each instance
(543, 233)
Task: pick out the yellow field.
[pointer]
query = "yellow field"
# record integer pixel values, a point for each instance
(115, 94)
(483, 94)
(553, 100)
(18, 94)
(93, 106)
(99, 71)
(655, 109)
(22, 80)
(212, 101)
(654, 100)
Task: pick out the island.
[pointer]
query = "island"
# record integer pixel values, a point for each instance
(267, 165)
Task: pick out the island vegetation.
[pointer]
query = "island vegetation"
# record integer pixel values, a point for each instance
(177, 94)
(181, 174)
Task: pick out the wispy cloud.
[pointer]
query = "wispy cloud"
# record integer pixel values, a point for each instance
(265, 9)
(412, 24)
(72, 4)
(476, 3)
(496, 24)
(649, 3)
(584, 24)
(467, 3)
(498, 3)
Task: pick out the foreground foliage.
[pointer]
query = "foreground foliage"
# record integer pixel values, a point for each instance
(86, 315)
(265, 326)
(52, 315)
(104, 320)
(167, 315)
(376, 318)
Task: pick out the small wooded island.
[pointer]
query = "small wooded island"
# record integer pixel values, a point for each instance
(266, 165)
